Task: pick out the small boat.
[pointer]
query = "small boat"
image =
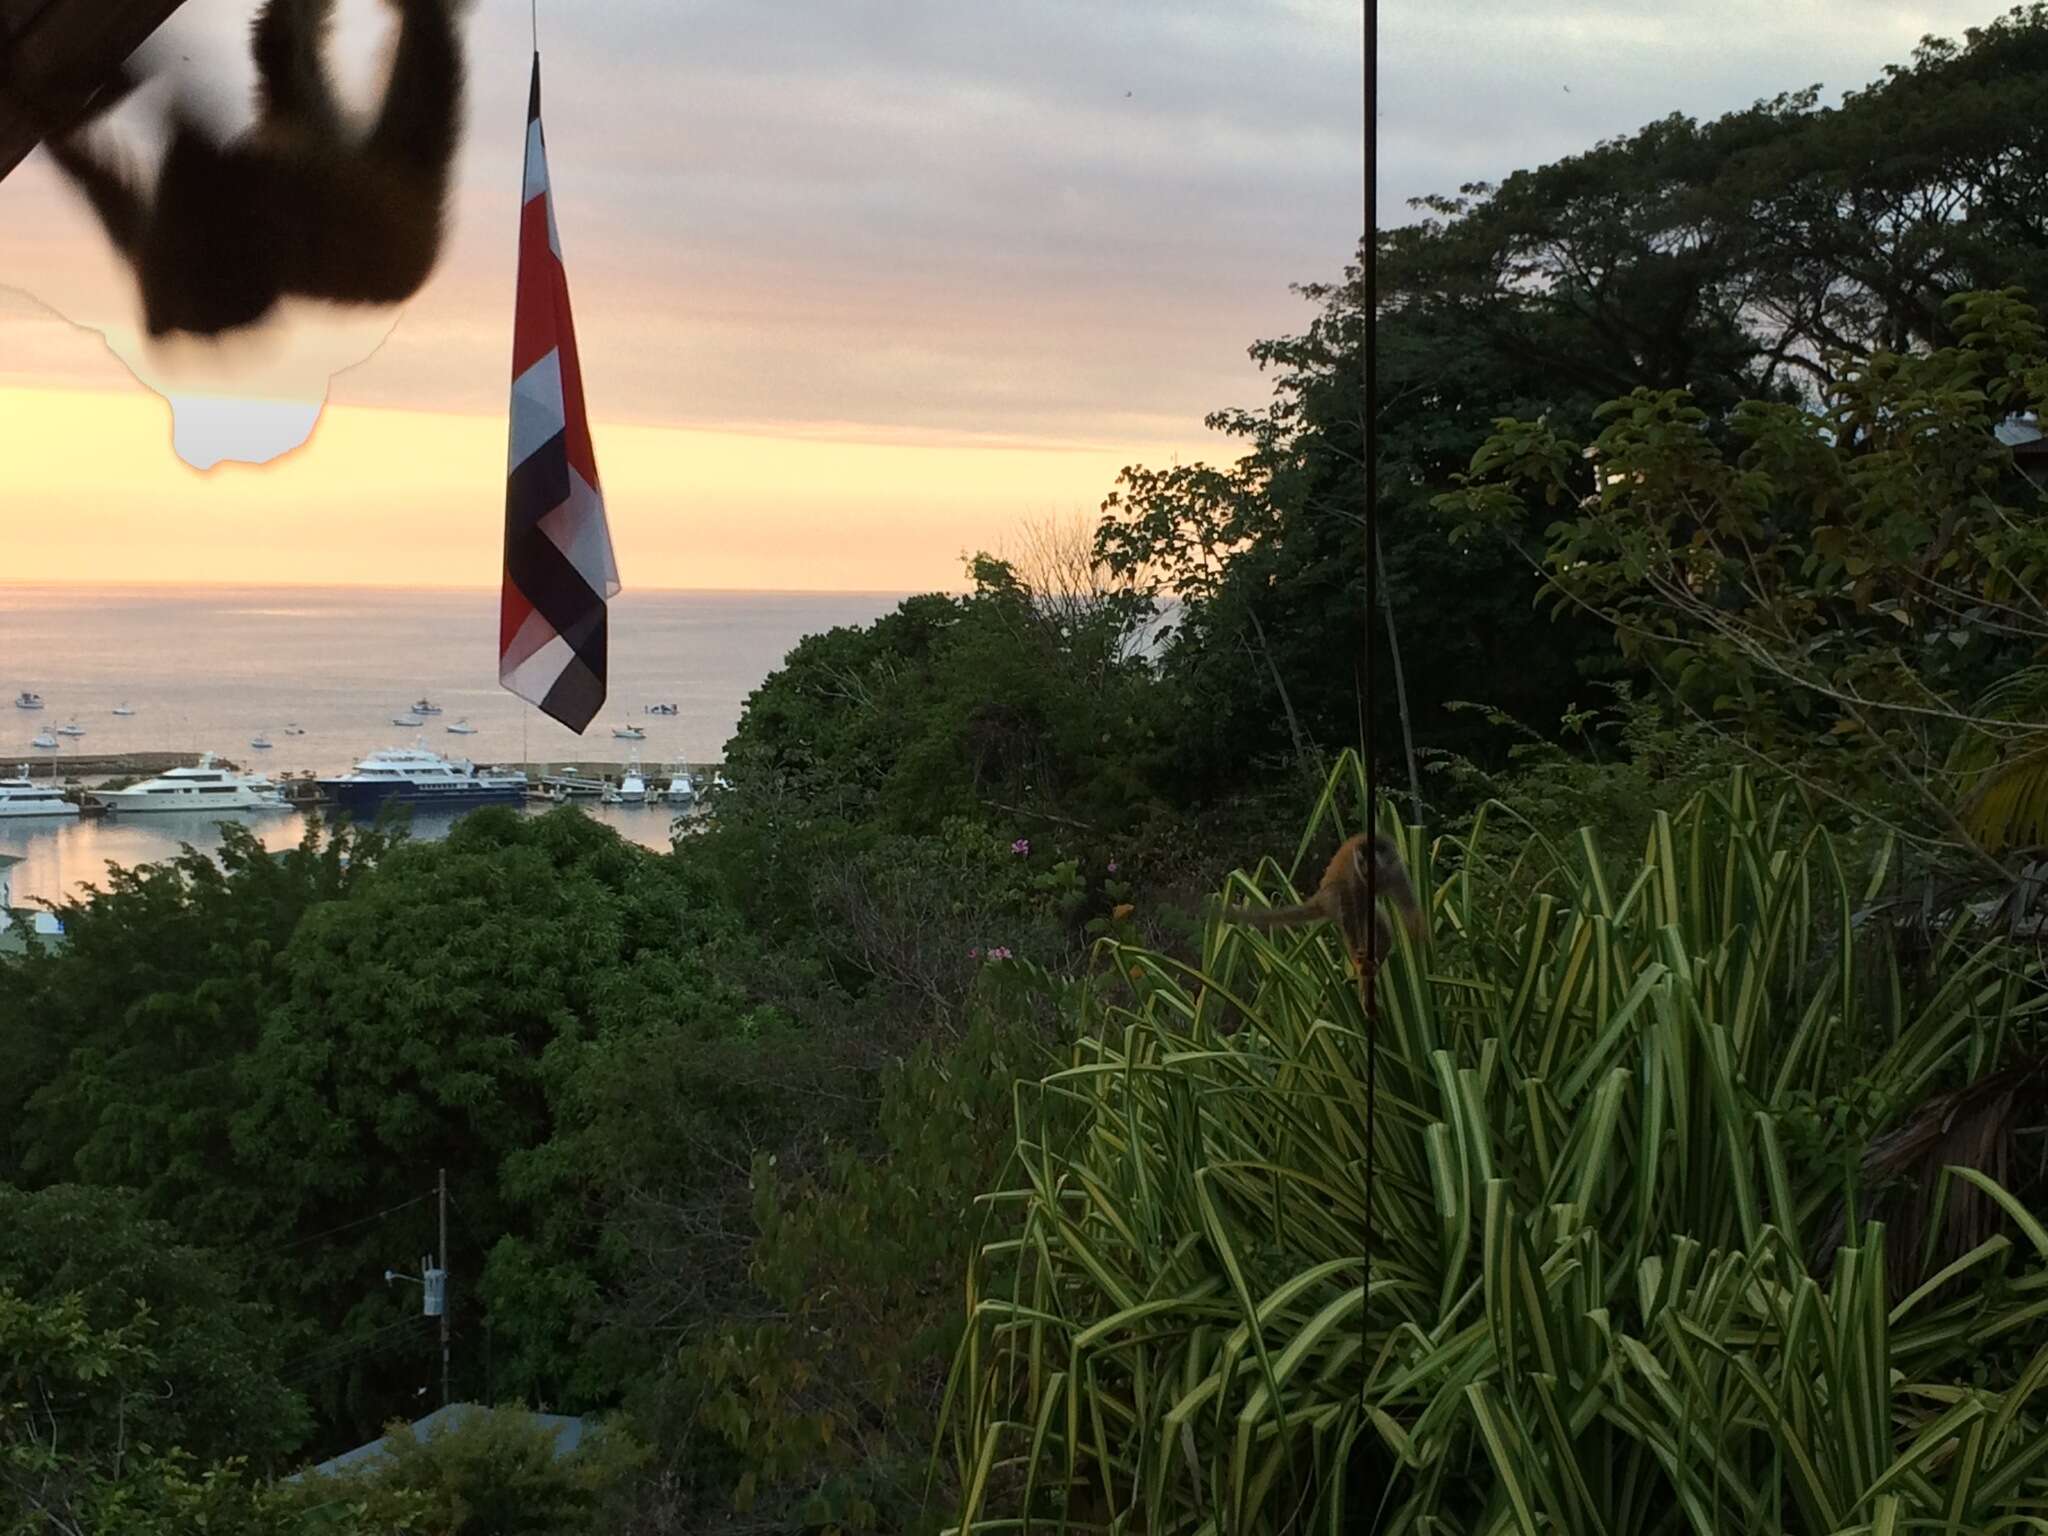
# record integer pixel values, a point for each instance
(71, 728)
(260, 743)
(661, 709)
(46, 741)
(462, 728)
(425, 707)
(682, 789)
(629, 733)
(26, 700)
(407, 720)
(124, 709)
(631, 788)
(295, 730)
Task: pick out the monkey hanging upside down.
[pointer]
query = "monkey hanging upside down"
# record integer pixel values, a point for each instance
(1342, 899)
(297, 205)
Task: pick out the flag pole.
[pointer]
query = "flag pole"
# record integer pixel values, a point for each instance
(1369, 276)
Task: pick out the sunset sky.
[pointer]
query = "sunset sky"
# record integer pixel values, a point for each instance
(860, 285)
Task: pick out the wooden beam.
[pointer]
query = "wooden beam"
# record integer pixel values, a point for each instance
(56, 55)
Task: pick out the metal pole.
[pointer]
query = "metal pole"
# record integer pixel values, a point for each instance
(444, 1288)
(1370, 277)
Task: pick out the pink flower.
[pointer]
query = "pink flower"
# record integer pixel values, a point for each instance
(1021, 847)
(974, 953)
(999, 954)
(1112, 866)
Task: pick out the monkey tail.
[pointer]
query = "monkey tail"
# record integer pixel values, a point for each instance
(1274, 917)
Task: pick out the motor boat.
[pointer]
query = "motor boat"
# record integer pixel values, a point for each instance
(407, 720)
(45, 741)
(207, 786)
(461, 728)
(415, 776)
(631, 788)
(71, 728)
(124, 709)
(425, 707)
(628, 733)
(260, 743)
(27, 700)
(660, 709)
(22, 796)
(681, 788)
(295, 730)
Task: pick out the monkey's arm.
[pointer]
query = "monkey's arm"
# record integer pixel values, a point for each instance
(294, 89)
(115, 198)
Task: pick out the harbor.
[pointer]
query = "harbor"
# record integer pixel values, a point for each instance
(70, 820)
(83, 778)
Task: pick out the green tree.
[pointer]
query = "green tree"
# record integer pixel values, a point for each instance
(213, 1386)
(1836, 587)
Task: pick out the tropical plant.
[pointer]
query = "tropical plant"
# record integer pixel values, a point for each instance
(1597, 1164)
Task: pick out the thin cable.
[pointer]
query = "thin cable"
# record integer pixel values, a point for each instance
(1370, 274)
(360, 1221)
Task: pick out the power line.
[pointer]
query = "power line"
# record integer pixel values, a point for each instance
(346, 1226)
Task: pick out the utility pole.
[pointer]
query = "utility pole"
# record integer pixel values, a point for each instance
(444, 1291)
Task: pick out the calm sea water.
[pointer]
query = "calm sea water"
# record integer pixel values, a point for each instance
(208, 669)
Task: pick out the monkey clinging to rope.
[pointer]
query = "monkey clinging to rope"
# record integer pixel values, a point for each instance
(1342, 899)
(297, 206)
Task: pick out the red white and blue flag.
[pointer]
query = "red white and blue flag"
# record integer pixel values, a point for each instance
(559, 570)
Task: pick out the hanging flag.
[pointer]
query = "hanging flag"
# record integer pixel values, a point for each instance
(559, 570)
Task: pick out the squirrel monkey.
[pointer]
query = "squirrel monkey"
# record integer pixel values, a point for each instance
(300, 204)
(1341, 899)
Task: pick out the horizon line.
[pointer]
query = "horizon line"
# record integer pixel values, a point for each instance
(465, 587)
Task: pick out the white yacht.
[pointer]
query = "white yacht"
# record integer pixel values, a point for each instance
(26, 700)
(45, 741)
(631, 788)
(206, 787)
(682, 789)
(20, 796)
(425, 707)
(260, 743)
(124, 709)
(629, 733)
(71, 728)
(416, 776)
(462, 728)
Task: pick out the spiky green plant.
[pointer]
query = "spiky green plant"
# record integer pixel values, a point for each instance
(1616, 1115)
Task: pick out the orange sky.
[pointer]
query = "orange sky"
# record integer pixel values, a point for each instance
(404, 498)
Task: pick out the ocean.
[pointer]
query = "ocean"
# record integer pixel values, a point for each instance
(208, 669)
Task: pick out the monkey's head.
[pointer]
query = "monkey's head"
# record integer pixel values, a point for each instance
(1390, 879)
